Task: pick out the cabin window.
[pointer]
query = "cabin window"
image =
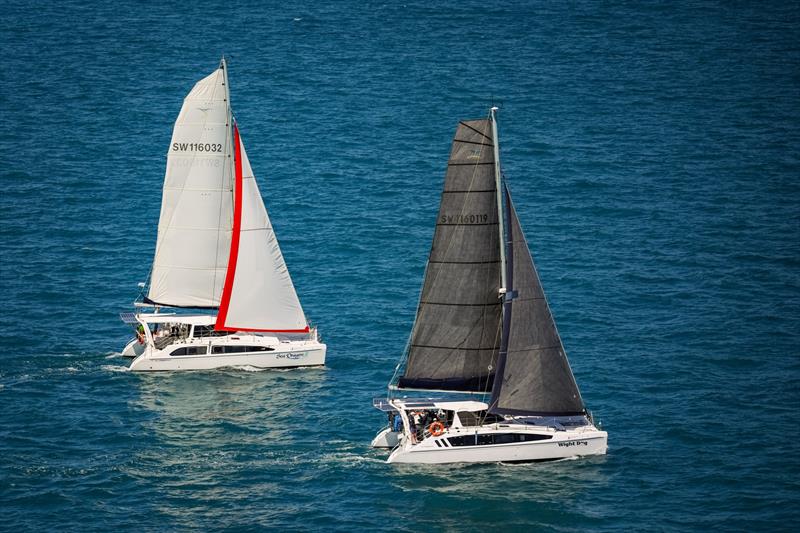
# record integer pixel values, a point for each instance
(240, 349)
(478, 418)
(495, 438)
(190, 350)
(208, 331)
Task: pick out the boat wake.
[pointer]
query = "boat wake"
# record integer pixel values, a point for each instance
(348, 459)
(246, 368)
(249, 368)
(115, 368)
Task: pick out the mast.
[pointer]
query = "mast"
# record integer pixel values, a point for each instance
(223, 66)
(506, 263)
(499, 192)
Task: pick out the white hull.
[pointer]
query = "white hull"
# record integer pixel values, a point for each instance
(443, 431)
(386, 439)
(289, 355)
(560, 445)
(189, 342)
(134, 348)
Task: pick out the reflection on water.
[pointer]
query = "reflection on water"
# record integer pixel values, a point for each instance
(228, 404)
(517, 492)
(210, 427)
(554, 480)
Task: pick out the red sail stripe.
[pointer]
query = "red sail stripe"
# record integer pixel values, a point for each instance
(237, 227)
(306, 330)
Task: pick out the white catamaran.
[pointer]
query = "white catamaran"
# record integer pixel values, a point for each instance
(483, 326)
(216, 253)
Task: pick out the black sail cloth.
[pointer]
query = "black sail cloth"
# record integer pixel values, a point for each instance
(456, 334)
(536, 378)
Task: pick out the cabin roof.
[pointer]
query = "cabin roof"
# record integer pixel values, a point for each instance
(174, 318)
(449, 405)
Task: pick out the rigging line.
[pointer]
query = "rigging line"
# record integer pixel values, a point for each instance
(498, 330)
(160, 242)
(486, 388)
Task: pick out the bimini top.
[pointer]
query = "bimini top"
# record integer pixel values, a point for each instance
(174, 318)
(463, 405)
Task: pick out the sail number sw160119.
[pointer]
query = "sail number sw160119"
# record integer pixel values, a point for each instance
(481, 218)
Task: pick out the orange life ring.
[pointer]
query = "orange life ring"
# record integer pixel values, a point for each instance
(436, 429)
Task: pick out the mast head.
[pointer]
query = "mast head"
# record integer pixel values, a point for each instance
(222, 62)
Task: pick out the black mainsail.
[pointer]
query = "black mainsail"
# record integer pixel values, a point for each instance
(456, 335)
(471, 334)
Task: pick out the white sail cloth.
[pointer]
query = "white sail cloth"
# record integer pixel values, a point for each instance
(216, 246)
(194, 230)
(259, 294)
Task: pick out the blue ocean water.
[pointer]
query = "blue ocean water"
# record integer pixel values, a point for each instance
(653, 154)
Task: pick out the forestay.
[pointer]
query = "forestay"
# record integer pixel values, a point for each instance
(194, 230)
(456, 334)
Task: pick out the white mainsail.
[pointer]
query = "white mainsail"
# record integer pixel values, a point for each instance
(259, 294)
(216, 246)
(194, 230)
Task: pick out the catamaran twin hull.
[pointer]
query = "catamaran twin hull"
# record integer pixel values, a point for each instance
(232, 351)
(478, 446)
(168, 341)
(464, 432)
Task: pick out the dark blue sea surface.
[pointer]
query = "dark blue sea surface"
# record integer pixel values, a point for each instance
(653, 151)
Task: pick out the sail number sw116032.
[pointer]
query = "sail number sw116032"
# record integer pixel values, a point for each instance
(196, 147)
